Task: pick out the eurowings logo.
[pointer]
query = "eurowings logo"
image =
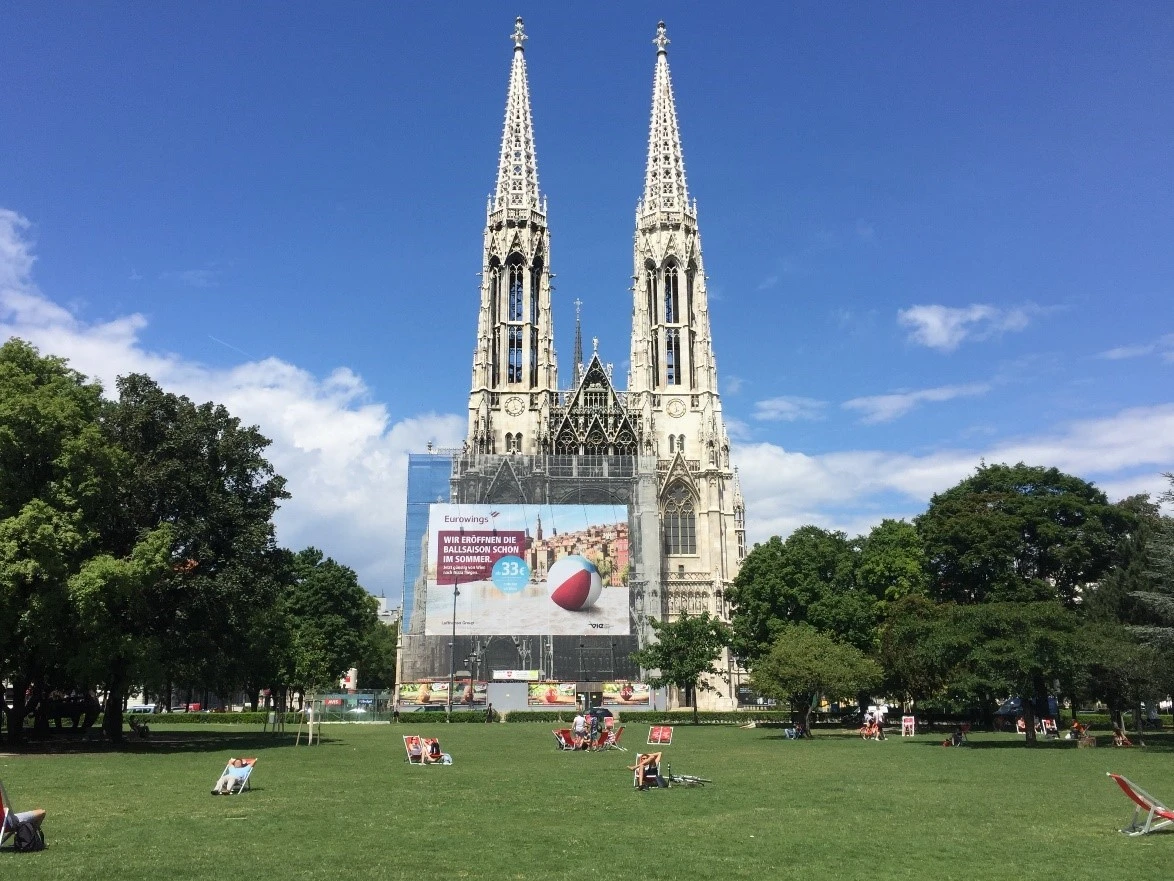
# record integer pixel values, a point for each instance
(494, 513)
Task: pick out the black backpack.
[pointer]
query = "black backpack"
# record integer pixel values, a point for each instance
(28, 838)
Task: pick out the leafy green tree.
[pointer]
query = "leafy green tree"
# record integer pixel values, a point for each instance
(108, 594)
(1021, 648)
(39, 548)
(684, 653)
(1155, 595)
(58, 479)
(197, 469)
(376, 660)
(1018, 533)
(330, 613)
(804, 663)
(808, 578)
(891, 563)
(921, 647)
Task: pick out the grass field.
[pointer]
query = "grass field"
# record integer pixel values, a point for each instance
(512, 807)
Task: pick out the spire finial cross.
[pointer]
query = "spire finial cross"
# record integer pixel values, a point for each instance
(578, 303)
(519, 35)
(595, 344)
(662, 40)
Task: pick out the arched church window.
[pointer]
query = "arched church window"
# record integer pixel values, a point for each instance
(681, 443)
(535, 283)
(672, 356)
(516, 272)
(533, 357)
(514, 364)
(672, 312)
(672, 443)
(680, 521)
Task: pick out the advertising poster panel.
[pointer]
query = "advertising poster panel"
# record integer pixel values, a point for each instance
(555, 695)
(467, 695)
(627, 694)
(560, 570)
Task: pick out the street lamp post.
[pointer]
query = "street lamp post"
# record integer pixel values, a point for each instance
(452, 652)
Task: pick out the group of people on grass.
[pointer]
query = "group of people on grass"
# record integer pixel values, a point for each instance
(584, 730)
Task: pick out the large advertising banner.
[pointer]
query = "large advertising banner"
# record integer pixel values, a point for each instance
(626, 694)
(558, 570)
(551, 694)
(466, 694)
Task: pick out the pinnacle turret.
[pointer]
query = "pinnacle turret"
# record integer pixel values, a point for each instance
(517, 170)
(664, 177)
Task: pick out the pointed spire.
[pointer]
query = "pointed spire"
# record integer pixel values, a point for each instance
(664, 178)
(517, 170)
(578, 341)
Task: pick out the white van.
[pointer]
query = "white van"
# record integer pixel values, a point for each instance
(140, 708)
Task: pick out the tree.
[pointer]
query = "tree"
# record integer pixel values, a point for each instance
(804, 664)
(920, 647)
(376, 661)
(684, 653)
(108, 595)
(58, 479)
(891, 563)
(197, 469)
(329, 613)
(807, 578)
(1020, 649)
(1155, 595)
(1017, 533)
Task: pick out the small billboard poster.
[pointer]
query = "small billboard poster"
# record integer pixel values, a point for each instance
(422, 694)
(560, 570)
(555, 695)
(626, 694)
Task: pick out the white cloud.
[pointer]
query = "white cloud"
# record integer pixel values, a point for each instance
(945, 327)
(733, 384)
(788, 408)
(885, 408)
(343, 454)
(1124, 454)
(1163, 347)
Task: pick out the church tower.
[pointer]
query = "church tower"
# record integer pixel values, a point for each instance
(515, 372)
(673, 379)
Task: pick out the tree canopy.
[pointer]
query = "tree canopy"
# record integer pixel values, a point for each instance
(684, 653)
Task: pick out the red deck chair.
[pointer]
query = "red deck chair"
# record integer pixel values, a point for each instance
(414, 747)
(564, 738)
(611, 739)
(660, 734)
(1143, 801)
(24, 828)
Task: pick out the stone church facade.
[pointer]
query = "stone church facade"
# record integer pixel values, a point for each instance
(660, 445)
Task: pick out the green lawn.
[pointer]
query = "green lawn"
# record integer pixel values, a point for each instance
(512, 807)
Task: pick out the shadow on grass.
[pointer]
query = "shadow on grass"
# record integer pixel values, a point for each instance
(1162, 743)
(162, 741)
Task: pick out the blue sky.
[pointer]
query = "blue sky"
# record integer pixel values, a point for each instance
(934, 235)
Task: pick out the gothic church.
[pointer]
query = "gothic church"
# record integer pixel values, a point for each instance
(660, 446)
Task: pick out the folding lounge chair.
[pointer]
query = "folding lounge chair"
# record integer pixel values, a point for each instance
(1143, 801)
(24, 829)
(414, 748)
(241, 778)
(612, 739)
(564, 738)
(660, 734)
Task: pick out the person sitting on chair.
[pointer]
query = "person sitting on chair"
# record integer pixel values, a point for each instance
(236, 770)
(647, 770)
(1119, 737)
(1077, 730)
(433, 755)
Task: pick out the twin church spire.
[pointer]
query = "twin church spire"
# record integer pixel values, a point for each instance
(515, 404)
